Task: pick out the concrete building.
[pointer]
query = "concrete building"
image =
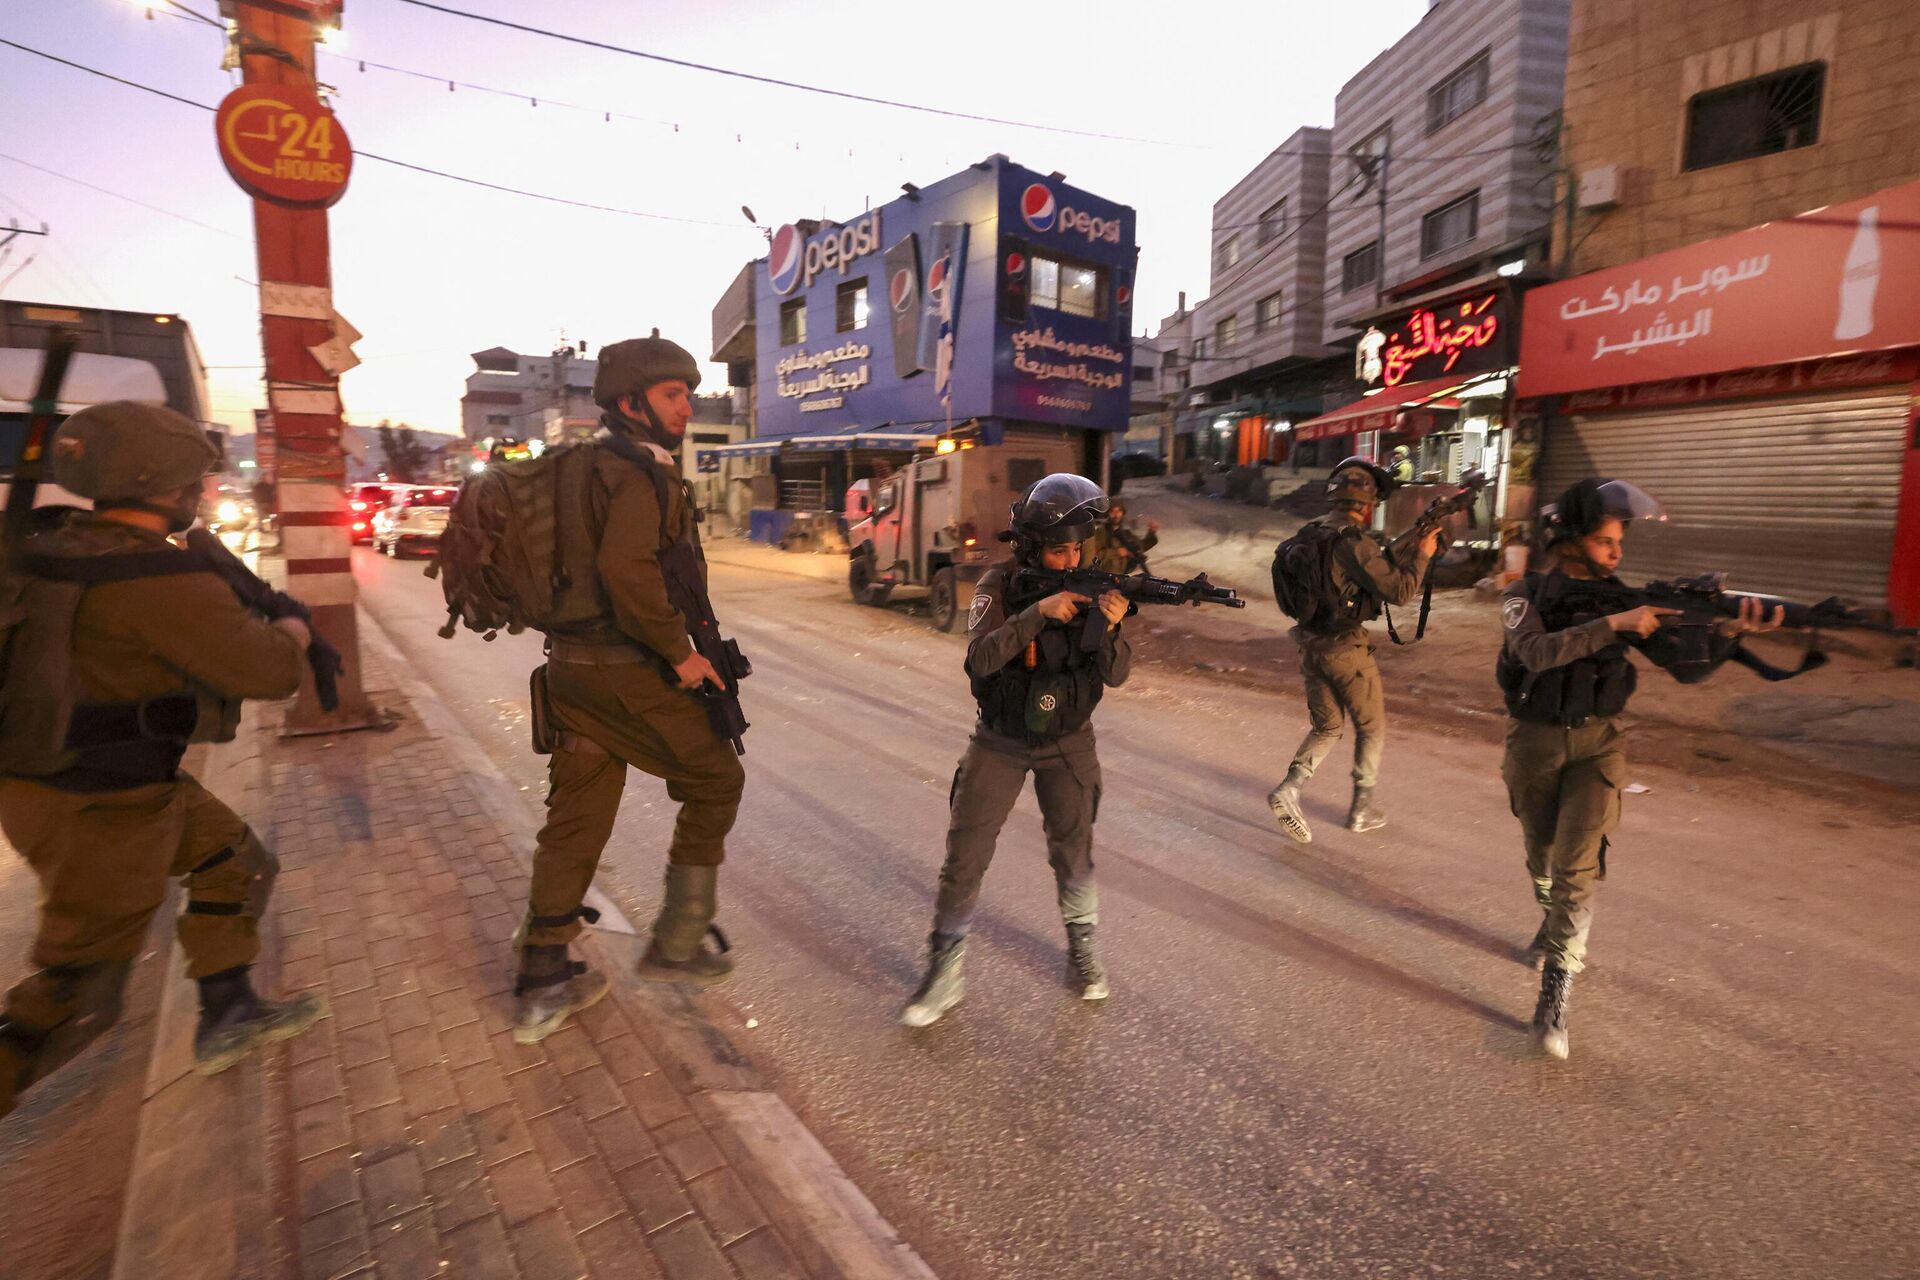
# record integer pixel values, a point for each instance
(524, 397)
(1688, 119)
(1744, 336)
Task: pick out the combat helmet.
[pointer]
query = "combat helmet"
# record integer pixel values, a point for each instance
(629, 368)
(1358, 482)
(124, 451)
(1055, 510)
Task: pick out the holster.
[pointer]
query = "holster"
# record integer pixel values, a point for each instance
(540, 717)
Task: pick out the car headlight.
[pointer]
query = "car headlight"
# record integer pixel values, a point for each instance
(228, 512)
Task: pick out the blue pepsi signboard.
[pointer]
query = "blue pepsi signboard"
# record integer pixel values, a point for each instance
(996, 295)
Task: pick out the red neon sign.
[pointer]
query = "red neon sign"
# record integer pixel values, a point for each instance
(1448, 336)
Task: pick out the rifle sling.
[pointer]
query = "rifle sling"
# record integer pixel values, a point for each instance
(1812, 660)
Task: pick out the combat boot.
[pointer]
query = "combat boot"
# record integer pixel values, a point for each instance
(944, 985)
(1284, 800)
(679, 951)
(234, 1020)
(1550, 1015)
(1083, 966)
(551, 987)
(18, 1048)
(1363, 816)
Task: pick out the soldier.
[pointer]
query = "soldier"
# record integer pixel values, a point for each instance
(1567, 680)
(1336, 655)
(1036, 688)
(154, 652)
(621, 692)
(1114, 548)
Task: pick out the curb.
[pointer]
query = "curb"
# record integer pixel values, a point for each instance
(817, 1208)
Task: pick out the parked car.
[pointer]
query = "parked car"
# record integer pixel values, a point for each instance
(1133, 466)
(415, 516)
(364, 501)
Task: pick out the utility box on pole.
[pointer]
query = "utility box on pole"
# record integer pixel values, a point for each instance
(285, 149)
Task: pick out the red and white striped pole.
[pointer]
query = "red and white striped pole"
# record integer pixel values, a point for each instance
(287, 151)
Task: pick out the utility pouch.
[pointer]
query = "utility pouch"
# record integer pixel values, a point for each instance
(1043, 701)
(540, 717)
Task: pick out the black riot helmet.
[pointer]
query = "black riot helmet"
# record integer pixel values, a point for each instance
(1358, 482)
(1580, 510)
(1055, 510)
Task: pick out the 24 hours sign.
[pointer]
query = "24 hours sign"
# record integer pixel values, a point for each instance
(281, 145)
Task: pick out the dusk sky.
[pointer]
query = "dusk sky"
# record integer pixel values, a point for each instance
(431, 270)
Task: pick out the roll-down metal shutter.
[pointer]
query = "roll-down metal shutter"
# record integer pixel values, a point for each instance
(1794, 497)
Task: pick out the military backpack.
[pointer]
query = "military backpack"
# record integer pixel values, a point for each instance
(520, 544)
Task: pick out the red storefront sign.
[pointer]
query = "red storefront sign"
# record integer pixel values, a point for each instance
(1468, 336)
(281, 145)
(1837, 281)
(1804, 378)
(1377, 412)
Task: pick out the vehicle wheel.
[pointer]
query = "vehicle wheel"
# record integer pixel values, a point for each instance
(392, 548)
(860, 583)
(942, 600)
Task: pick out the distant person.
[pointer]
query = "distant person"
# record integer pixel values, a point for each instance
(1114, 548)
(1337, 578)
(1400, 465)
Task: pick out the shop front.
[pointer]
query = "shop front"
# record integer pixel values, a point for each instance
(1762, 386)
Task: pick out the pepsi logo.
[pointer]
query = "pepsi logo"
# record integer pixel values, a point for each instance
(1037, 207)
(1016, 264)
(900, 289)
(784, 258)
(937, 278)
(1123, 295)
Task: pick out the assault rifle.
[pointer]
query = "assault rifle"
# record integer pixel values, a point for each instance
(1434, 517)
(1138, 588)
(42, 420)
(1704, 600)
(272, 605)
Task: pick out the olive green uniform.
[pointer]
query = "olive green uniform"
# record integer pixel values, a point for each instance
(1564, 781)
(1338, 670)
(1114, 548)
(616, 703)
(102, 839)
(989, 779)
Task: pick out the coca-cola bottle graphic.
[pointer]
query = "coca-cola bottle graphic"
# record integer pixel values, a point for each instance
(1860, 278)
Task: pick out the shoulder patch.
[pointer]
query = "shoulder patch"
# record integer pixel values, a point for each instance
(978, 609)
(1514, 611)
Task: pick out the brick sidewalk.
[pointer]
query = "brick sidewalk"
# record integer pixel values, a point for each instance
(423, 1141)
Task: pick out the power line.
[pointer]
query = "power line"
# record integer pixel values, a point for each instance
(400, 164)
(196, 14)
(105, 191)
(778, 83)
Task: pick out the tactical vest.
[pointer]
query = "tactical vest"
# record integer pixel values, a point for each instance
(1309, 591)
(1049, 699)
(46, 732)
(1597, 686)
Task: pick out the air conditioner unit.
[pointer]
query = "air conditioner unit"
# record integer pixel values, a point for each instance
(1600, 187)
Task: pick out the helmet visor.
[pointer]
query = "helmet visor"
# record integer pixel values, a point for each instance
(1625, 500)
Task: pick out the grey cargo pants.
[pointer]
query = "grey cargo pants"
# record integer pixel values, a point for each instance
(1066, 781)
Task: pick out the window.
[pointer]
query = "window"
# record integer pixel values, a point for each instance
(1226, 331)
(1199, 348)
(1065, 286)
(1143, 373)
(850, 306)
(1226, 255)
(1756, 117)
(428, 498)
(1451, 225)
(1273, 222)
(1360, 268)
(793, 322)
(1267, 316)
(498, 419)
(1458, 94)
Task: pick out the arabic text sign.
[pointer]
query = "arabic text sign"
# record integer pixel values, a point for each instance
(1836, 281)
(1469, 336)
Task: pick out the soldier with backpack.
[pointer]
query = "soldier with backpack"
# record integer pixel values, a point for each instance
(1332, 578)
(595, 544)
(119, 650)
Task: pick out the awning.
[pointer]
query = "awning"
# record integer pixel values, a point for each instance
(865, 440)
(1376, 412)
(744, 449)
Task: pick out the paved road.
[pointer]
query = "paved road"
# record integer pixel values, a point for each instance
(1314, 1062)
